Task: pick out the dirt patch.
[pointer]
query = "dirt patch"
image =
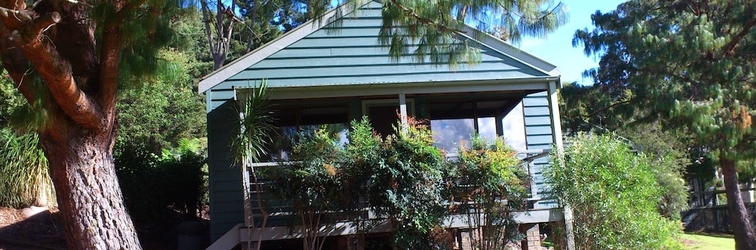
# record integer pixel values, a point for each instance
(30, 229)
(689, 244)
(38, 228)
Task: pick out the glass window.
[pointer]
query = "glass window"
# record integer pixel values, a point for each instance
(293, 121)
(453, 123)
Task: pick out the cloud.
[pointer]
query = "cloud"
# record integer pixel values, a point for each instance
(514, 128)
(448, 134)
(528, 44)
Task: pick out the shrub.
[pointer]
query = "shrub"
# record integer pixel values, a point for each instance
(403, 179)
(23, 171)
(488, 184)
(161, 189)
(400, 178)
(407, 186)
(613, 193)
(312, 182)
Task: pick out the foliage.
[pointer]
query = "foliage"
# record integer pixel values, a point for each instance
(435, 24)
(160, 112)
(23, 165)
(313, 182)
(489, 184)
(403, 179)
(229, 36)
(613, 194)
(256, 126)
(691, 63)
(407, 186)
(665, 151)
(23, 171)
(598, 109)
(400, 179)
(162, 188)
(9, 102)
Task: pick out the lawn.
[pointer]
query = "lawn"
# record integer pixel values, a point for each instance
(708, 241)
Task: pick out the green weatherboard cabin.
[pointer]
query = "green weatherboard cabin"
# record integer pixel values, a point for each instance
(324, 73)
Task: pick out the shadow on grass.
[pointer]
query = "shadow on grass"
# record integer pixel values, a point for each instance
(717, 235)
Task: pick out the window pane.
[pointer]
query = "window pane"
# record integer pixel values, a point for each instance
(514, 128)
(294, 120)
(487, 128)
(449, 134)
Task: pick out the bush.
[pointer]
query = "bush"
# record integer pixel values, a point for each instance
(23, 171)
(407, 186)
(403, 179)
(161, 189)
(312, 181)
(488, 184)
(614, 195)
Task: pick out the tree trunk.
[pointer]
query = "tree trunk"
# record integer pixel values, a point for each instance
(739, 219)
(89, 197)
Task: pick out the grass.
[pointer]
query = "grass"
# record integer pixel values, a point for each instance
(700, 241)
(693, 241)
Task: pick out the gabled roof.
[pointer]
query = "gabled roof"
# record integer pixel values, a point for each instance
(318, 53)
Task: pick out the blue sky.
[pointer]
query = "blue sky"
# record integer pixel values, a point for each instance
(557, 47)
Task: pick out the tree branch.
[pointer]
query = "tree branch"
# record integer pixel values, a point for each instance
(424, 20)
(208, 29)
(110, 57)
(13, 63)
(125, 10)
(55, 71)
(730, 48)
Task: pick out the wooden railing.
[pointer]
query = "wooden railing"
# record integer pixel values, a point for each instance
(262, 208)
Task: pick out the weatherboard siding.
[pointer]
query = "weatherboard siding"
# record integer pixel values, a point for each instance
(538, 135)
(351, 55)
(225, 179)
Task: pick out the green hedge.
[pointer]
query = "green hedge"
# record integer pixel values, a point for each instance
(614, 195)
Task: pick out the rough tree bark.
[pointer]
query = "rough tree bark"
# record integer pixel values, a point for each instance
(54, 41)
(739, 219)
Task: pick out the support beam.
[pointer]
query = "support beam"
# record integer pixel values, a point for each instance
(403, 107)
(556, 122)
(500, 125)
(556, 129)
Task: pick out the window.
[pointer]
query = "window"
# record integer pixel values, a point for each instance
(454, 122)
(295, 120)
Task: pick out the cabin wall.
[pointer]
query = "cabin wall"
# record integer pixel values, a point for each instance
(539, 134)
(225, 178)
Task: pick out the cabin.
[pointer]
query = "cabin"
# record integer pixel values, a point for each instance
(333, 70)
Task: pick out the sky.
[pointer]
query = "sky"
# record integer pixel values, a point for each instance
(557, 49)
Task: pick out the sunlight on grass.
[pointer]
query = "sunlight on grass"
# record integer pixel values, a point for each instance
(708, 242)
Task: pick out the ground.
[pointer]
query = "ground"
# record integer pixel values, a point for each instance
(30, 228)
(701, 241)
(40, 228)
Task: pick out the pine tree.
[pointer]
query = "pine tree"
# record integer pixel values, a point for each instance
(691, 63)
(67, 59)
